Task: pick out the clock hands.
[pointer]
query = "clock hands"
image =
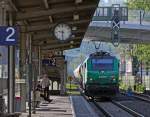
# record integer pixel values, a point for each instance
(62, 32)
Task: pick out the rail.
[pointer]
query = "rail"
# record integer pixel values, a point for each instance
(132, 112)
(138, 96)
(106, 113)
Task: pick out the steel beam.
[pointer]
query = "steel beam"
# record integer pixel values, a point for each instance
(58, 46)
(41, 13)
(35, 28)
(47, 35)
(12, 5)
(53, 41)
(46, 4)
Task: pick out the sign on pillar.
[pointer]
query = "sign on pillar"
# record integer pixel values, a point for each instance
(8, 35)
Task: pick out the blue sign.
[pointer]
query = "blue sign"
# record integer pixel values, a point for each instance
(8, 35)
(49, 62)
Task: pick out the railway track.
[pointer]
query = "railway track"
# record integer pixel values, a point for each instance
(127, 109)
(127, 106)
(137, 102)
(113, 109)
(142, 97)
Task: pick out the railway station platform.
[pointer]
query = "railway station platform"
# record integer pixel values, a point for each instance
(64, 106)
(59, 107)
(81, 108)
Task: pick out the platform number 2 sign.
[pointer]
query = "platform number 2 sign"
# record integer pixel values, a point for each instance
(8, 35)
(12, 32)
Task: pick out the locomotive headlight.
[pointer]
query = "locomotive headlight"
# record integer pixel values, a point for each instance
(113, 79)
(91, 79)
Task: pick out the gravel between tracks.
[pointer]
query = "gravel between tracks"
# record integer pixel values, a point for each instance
(100, 114)
(138, 106)
(114, 110)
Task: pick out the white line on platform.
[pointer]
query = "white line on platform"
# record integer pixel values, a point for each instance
(72, 107)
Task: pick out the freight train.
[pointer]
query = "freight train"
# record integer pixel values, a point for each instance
(99, 75)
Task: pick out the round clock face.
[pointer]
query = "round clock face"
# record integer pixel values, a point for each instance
(62, 32)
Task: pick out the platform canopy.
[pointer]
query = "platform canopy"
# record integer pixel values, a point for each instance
(39, 17)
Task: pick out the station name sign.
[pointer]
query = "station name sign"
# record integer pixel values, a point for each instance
(8, 35)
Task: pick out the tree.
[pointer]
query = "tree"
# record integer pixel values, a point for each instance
(142, 5)
(142, 51)
(124, 49)
(139, 4)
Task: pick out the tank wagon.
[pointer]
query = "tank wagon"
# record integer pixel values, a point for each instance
(99, 75)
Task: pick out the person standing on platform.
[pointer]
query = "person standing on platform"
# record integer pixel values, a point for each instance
(37, 94)
(45, 83)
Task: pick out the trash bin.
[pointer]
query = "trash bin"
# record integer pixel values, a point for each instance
(17, 104)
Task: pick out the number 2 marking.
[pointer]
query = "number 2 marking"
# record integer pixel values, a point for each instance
(9, 37)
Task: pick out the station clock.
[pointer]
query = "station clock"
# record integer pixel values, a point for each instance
(62, 32)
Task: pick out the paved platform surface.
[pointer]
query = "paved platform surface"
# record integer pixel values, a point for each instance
(59, 107)
(81, 108)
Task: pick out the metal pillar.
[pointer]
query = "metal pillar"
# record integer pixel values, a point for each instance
(140, 17)
(39, 57)
(34, 88)
(62, 74)
(52, 86)
(35, 75)
(2, 22)
(65, 75)
(23, 74)
(11, 79)
(30, 72)
(11, 73)
(62, 82)
(141, 71)
(1, 83)
(2, 100)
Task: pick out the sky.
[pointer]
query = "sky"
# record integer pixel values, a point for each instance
(110, 2)
(106, 1)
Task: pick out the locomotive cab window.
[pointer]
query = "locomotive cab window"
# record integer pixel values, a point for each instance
(102, 64)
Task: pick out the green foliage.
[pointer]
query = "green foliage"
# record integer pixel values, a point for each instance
(73, 86)
(139, 4)
(142, 51)
(123, 86)
(73, 89)
(139, 88)
(124, 49)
